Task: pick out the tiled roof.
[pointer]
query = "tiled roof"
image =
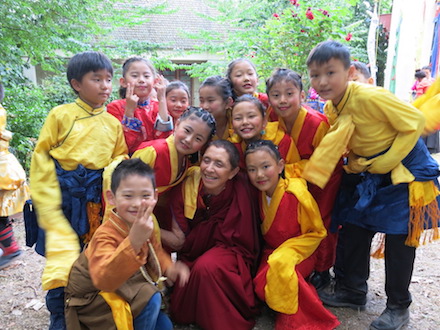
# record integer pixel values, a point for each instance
(190, 16)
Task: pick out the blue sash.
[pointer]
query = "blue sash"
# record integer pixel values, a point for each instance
(371, 201)
(78, 187)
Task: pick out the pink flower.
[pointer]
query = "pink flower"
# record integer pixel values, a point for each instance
(276, 15)
(294, 2)
(309, 14)
(348, 36)
(325, 13)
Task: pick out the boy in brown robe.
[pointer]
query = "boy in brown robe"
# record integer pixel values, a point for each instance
(116, 280)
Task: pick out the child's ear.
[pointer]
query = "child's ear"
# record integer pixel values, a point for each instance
(110, 197)
(370, 81)
(303, 96)
(229, 102)
(122, 82)
(351, 71)
(76, 84)
(281, 166)
(265, 121)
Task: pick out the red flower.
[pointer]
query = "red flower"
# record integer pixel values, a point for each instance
(302, 30)
(276, 15)
(325, 13)
(348, 36)
(294, 2)
(309, 14)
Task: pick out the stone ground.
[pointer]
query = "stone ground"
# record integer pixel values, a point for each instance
(22, 298)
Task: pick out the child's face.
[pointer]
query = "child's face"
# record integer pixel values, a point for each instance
(264, 170)
(132, 190)
(244, 78)
(330, 79)
(177, 102)
(247, 121)
(141, 77)
(190, 135)
(285, 98)
(94, 88)
(211, 101)
(360, 78)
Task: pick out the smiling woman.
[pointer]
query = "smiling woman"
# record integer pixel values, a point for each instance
(218, 166)
(214, 209)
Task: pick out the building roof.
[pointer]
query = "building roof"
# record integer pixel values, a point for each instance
(188, 16)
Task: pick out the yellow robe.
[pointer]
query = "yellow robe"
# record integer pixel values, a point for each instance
(14, 190)
(281, 291)
(368, 120)
(72, 134)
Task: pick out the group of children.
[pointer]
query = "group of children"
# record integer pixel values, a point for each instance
(293, 157)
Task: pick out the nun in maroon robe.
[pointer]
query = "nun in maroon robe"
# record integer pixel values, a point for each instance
(214, 209)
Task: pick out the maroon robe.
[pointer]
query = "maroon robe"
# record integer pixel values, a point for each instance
(221, 248)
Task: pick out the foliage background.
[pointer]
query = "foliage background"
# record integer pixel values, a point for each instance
(47, 33)
(282, 33)
(270, 33)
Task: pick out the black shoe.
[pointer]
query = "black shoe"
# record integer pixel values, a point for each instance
(320, 280)
(391, 319)
(340, 297)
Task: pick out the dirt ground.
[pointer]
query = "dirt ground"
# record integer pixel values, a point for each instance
(22, 305)
(22, 298)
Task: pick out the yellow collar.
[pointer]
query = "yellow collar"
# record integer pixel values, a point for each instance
(87, 108)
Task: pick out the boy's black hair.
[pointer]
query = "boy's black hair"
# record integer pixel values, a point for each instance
(250, 99)
(85, 62)
(126, 66)
(202, 114)
(427, 67)
(326, 50)
(234, 156)
(177, 84)
(133, 166)
(222, 85)
(362, 68)
(282, 74)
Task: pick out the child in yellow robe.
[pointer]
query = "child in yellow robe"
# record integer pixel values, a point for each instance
(76, 142)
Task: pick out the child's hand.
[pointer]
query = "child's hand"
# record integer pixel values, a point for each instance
(178, 271)
(356, 164)
(142, 227)
(160, 85)
(382, 164)
(132, 101)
